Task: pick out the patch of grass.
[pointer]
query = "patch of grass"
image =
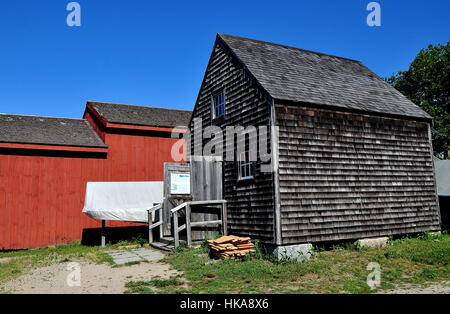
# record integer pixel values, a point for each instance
(100, 257)
(343, 269)
(339, 269)
(143, 287)
(126, 264)
(427, 249)
(140, 287)
(429, 274)
(136, 240)
(162, 283)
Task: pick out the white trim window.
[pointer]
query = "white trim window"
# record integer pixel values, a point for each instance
(218, 104)
(246, 167)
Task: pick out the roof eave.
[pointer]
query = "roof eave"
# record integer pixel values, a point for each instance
(54, 147)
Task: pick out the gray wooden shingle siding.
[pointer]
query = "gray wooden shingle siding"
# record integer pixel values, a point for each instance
(354, 155)
(250, 204)
(349, 176)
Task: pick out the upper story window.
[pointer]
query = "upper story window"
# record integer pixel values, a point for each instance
(218, 104)
(246, 166)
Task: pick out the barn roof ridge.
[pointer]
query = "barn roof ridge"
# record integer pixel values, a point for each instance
(41, 117)
(141, 115)
(287, 46)
(139, 106)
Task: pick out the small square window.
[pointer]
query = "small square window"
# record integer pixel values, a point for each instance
(218, 102)
(246, 166)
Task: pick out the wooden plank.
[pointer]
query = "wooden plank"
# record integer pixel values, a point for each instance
(156, 224)
(188, 225)
(208, 202)
(176, 234)
(150, 227)
(181, 228)
(276, 175)
(179, 207)
(206, 223)
(224, 219)
(224, 239)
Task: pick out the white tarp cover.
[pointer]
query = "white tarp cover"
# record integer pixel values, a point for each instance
(124, 201)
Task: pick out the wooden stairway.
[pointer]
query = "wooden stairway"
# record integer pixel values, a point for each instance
(185, 210)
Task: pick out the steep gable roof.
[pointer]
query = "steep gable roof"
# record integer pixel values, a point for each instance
(297, 75)
(140, 115)
(22, 129)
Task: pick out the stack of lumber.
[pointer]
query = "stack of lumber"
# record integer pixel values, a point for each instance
(231, 246)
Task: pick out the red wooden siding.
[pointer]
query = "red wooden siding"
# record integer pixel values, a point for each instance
(42, 192)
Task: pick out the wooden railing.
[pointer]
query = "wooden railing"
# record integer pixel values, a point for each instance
(188, 225)
(152, 225)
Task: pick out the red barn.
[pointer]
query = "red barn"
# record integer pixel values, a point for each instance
(45, 164)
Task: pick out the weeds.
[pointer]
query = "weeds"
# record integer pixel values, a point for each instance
(162, 283)
(339, 270)
(143, 287)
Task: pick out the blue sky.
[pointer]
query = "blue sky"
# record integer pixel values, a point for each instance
(154, 53)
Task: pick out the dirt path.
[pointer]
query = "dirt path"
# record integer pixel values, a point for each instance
(104, 279)
(435, 288)
(95, 278)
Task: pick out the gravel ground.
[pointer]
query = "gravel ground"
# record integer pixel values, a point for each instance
(6, 259)
(442, 287)
(95, 278)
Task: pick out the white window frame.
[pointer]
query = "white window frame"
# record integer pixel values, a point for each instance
(246, 167)
(213, 104)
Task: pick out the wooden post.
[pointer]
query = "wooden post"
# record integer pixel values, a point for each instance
(224, 218)
(175, 229)
(188, 225)
(103, 233)
(161, 228)
(150, 231)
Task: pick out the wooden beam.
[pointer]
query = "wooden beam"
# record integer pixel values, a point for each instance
(275, 175)
(143, 128)
(181, 228)
(188, 225)
(150, 229)
(153, 226)
(211, 202)
(206, 223)
(175, 230)
(54, 147)
(224, 219)
(103, 240)
(179, 207)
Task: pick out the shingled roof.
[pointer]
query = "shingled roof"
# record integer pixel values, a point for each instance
(48, 131)
(140, 115)
(303, 76)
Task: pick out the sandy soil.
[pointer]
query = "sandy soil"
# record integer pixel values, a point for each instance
(5, 259)
(95, 278)
(442, 287)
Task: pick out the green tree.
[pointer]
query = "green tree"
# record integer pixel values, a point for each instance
(427, 84)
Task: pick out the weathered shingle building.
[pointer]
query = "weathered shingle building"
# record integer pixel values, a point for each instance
(352, 157)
